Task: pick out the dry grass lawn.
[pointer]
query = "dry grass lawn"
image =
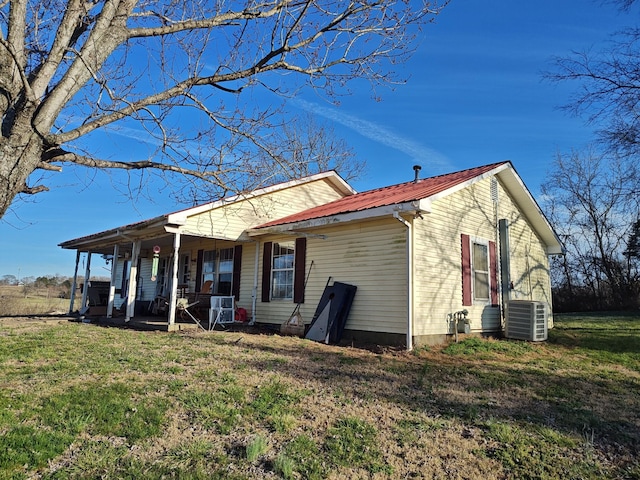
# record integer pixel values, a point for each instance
(84, 401)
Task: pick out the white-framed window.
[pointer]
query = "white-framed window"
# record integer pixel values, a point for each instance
(480, 270)
(225, 271)
(183, 269)
(217, 271)
(282, 270)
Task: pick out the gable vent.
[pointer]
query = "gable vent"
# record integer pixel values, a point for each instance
(494, 189)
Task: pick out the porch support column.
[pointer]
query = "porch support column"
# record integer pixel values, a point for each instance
(174, 281)
(133, 281)
(85, 290)
(112, 283)
(254, 292)
(74, 285)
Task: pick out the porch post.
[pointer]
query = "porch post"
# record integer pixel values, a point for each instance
(112, 283)
(133, 273)
(254, 293)
(174, 281)
(74, 285)
(85, 290)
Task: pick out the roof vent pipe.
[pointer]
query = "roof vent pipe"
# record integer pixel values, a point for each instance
(416, 169)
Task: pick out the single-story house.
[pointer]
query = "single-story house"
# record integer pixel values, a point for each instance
(424, 254)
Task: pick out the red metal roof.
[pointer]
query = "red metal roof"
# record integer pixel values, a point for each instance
(394, 194)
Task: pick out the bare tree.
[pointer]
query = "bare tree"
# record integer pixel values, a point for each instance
(299, 147)
(176, 69)
(608, 91)
(591, 200)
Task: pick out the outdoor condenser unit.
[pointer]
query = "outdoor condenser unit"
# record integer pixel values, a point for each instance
(527, 320)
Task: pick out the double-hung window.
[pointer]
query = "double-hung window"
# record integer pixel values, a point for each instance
(217, 270)
(480, 271)
(282, 270)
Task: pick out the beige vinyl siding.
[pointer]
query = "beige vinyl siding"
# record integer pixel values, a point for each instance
(231, 220)
(247, 277)
(146, 287)
(370, 255)
(438, 266)
(529, 262)
(438, 260)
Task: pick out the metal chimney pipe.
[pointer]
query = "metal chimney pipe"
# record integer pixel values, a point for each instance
(416, 169)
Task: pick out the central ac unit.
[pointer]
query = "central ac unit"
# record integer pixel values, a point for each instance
(527, 320)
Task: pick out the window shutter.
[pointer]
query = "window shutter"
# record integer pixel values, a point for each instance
(237, 265)
(299, 268)
(266, 271)
(466, 270)
(199, 270)
(493, 273)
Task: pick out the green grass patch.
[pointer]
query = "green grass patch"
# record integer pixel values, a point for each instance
(256, 447)
(352, 442)
(30, 447)
(488, 348)
(540, 453)
(305, 457)
(612, 339)
(100, 409)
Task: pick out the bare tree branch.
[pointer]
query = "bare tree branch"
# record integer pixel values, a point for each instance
(69, 68)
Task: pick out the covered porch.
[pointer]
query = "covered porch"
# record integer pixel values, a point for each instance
(158, 273)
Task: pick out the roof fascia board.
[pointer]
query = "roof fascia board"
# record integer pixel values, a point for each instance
(523, 195)
(406, 207)
(137, 231)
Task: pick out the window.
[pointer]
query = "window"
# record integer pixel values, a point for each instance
(183, 269)
(225, 272)
(217, 271)
(480, 268)
(282, 271)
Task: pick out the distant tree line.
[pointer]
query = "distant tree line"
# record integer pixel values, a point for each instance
(46, 285)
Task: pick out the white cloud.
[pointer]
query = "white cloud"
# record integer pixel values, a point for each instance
(417, 152)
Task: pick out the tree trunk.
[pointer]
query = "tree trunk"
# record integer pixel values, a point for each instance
(20, 155)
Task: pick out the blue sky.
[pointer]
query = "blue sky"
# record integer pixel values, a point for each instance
(475, 95)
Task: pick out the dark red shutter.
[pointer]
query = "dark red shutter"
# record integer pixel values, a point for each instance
(299, 268)
(237, 265)
(266, 272)
(493, 273)
(199, 270)
(466, 270)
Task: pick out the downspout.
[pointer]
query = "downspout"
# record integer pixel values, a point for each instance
(254, 295)
(75, 284)
(112, 284)
(409, 242)
(505, 274)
